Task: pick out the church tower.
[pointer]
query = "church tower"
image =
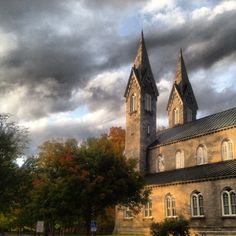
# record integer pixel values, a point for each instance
(141, 97)
(182, 105)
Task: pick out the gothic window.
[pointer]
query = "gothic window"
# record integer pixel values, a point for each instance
(170, 206)
(175, 116)
(148, 209)
(133, 103)
(227, 150)
(197, 204)
(160, 164)
(148, 102)
(128, 213)
(228, 200)
(179, 159)
(201, 155)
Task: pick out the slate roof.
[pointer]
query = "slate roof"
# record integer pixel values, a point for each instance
(212, 123)
(218, 170)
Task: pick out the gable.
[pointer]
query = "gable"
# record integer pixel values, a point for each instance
(148, 83)
(133, 81)
(188, 96)
(174, 93)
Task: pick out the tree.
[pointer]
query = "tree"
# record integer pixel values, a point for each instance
(72, 182)
(13, 140)
(53, 171)
(117, 137)
(109, 179)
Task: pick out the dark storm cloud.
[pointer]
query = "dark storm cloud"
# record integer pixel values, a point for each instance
(117, 4)
(212, 40)
(221, 100)
(49, 56)
(21, 16)
(44, 54)
(59, 62)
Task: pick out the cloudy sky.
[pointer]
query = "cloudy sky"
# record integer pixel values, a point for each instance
(64, 64)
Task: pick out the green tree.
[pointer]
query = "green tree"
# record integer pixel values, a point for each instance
(53, 174)
(24, 211)
(13, 140)
(109, 179)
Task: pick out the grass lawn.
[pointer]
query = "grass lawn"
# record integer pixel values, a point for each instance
(14, 234)
(112, 235)
(23, 234)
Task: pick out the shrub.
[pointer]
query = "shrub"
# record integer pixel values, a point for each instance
(173, 226)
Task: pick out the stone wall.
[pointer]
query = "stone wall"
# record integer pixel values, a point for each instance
(211, 141)
(213, 223)
(132, 134)
(175, 102)
(137, 138)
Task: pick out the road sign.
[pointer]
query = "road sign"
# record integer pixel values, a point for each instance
(93, 226)
(40, 227)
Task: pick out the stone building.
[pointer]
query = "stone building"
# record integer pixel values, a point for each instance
(190, 166)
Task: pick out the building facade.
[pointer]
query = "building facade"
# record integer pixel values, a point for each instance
(190, 167)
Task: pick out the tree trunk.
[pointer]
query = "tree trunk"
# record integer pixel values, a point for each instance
(46, 229)
(87, 223)
(87, 227)
(53, 228)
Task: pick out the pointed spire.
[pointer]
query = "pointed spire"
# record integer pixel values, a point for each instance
(142, 68)
(183, 88)
(182, 82)
(181, 76)
(142, 38)
(180, 53)
(142, 61)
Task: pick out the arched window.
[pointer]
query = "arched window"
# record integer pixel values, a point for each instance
(228, 200)
(148, 102)
(179, 159)
(133, 103)
(175, 116)
(227, 150)
(170, 206)
(148, 209)
(197, 204)
(201, 155)
(160, 163)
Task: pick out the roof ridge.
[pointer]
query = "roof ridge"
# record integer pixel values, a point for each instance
(195, 121)
(213, 123)
(232, 108)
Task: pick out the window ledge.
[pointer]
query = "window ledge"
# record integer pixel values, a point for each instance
(169, 217)
(198, 217)
(132, 112)
(128, 219)
(148, 218)
(228, 216)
